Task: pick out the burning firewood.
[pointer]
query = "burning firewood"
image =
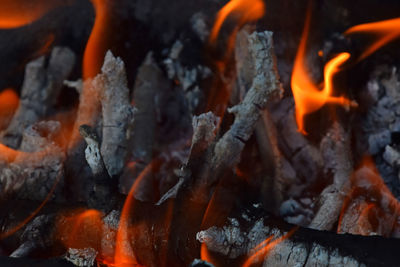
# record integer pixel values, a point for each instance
(336, 144)
(46, 78)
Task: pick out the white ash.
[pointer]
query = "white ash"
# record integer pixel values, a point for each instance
(391, 156)
(199, 26)
(93, 156)
(187, 77)
(230, 240)
(82, 257)
(233, 242)
(381, 122)
(32, 175)
(117, 113)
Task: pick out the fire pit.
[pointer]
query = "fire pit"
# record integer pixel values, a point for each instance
(199, 133)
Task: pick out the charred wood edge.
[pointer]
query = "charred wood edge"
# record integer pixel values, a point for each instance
(204, 133)
(306, 247)
(332, 197)
(41, 87)
(35, 235)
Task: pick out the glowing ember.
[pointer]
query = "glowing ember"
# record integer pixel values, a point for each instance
(82, 230)
(262, 249)
(124, 254)
(17, 13)
(204, 255)
(382, 32)
(307, 96)
(375, 200)
(9, 102)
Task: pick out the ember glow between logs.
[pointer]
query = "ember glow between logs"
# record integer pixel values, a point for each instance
(85, 228)
(374, 198)
(14, 13)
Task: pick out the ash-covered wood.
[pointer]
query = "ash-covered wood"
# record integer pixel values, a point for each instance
(117, 113)
(204, 133)
(338, 159)
(150, 84)
(306, 247)
(265, 84)
(42, 85)
(37, 171)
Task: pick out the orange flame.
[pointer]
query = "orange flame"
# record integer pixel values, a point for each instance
(262, 249)
(82, 229)
(17, 13)
(205, 255)
(97, 44)
(9, 102)
(124, 255)
(246, 10)
(308, 98)
(383, 32)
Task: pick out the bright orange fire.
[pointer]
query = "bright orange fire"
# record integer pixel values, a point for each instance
(124, 255)
(246, 10)
(243, 11)
(17, 13)
(382, 31)
(262, 249)
(9, 102)
(307, 96)
(204, 255)
(83, 229)
(97, 44)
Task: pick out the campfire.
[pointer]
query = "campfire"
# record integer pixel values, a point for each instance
(199, 133)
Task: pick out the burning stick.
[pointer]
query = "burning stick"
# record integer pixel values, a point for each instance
(336, 144)
(265, 84)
